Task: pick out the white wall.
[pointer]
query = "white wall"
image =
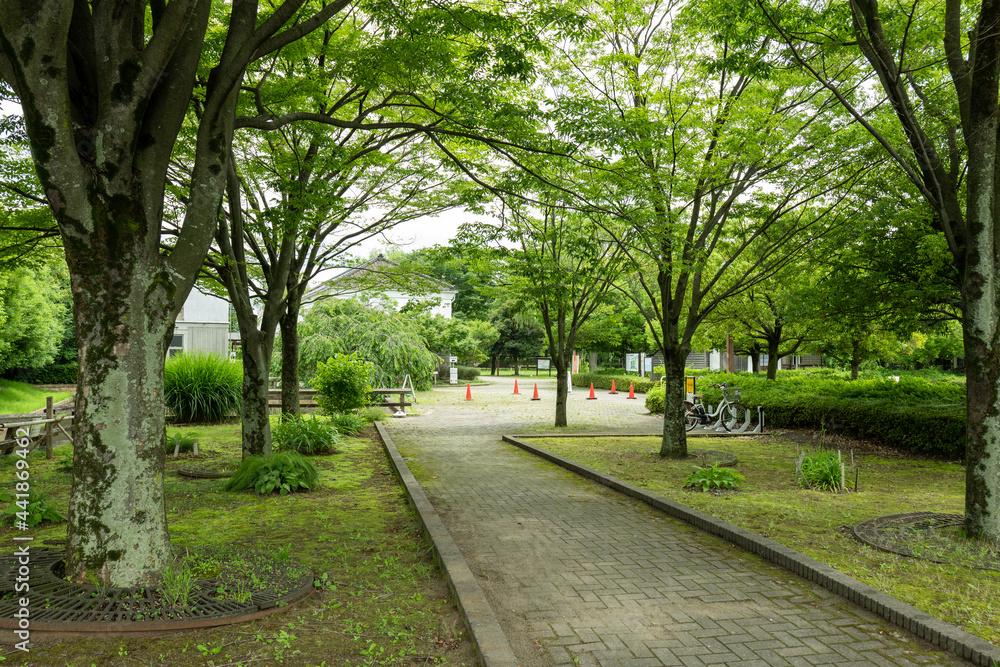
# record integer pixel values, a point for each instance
(203, 324)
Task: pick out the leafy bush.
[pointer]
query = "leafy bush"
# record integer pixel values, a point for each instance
(54, 373)
(601, 381)
(342, 383)
(655, 399)
(924, 415)
(200, 387)
(305, 435)
(821, 471)
(37, 507)
(715, 477)
(282, 472)
(348, 423)
(467, 373)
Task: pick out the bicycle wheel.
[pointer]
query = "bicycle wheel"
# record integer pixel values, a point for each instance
(736, 416)
(691, 419)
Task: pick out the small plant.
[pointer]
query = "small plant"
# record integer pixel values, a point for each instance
(284, 553)
(65, 463)
(350, 424)
(821, 471)
(178, 580)
(202, 387)
(343, 383)
(305, 435)
(185, 440)
(372, 415)
(281, 472)
(715, 477)
(34, 509)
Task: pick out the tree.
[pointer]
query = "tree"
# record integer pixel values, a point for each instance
(31, 317)
(561, 264)
(519, 336)
(709, 166)
(105, 90)
(938, 68)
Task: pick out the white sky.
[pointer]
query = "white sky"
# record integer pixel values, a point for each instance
(420, 233)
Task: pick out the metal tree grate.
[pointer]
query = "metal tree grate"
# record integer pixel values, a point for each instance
(58, 605)
(925, 535)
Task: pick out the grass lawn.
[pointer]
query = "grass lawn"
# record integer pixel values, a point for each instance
(18, 397)
(813, 522)
(382, 600)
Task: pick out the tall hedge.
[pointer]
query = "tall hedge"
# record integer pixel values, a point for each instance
(921, 415)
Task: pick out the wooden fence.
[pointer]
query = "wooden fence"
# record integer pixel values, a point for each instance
(51, 426)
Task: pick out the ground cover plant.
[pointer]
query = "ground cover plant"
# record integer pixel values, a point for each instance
(19, 398)
(923, 412)
(380, 599)
(308, 434)
(816, 522)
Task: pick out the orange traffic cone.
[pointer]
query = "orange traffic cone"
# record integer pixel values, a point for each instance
(631, 390)
(613, 390)
(591, 397)
(535, 397)
(468, 391)
(515, 387)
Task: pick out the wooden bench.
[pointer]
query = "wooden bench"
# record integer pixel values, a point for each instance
(402, 403)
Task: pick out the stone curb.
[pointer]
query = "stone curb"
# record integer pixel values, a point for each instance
(932, 630)
(490, 642)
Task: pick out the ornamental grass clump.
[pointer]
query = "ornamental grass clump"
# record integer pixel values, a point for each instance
(349, 423)
(821, 471)
(306, 435)
(707, 479)
(200, 387)
(278, 472)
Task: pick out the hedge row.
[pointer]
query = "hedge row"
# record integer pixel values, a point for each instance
(601, 381)
(914, 414)
(64, 373)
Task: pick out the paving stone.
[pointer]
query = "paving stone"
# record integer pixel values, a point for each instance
(588, 574)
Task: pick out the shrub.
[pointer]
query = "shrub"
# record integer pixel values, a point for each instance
(715, 477)
(305, 435)
(348, 423)
(467, 373)
(34, 509)
(342, 383)
(282, 472)
(200, 387)
(821, 471)
(655, 400)
(601, 381)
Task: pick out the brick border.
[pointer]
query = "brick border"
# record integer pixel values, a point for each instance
(491, 644)
(932, 630)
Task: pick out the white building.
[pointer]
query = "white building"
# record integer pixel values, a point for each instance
(202, 325)
(381, 278)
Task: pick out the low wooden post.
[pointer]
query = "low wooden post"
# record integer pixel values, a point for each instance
(48, 427)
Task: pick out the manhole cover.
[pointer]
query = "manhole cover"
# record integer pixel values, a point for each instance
(929, 536)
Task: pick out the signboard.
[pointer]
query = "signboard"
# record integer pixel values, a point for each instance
(453, 360)
(632, 362)
(453, 375)
(576, 363)
(649, 364)
(543, 363)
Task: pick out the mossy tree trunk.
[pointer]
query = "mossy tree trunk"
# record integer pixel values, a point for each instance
(105, 90)
(290, 358)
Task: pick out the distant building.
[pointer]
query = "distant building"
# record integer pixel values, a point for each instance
(202, 325)
(381, 278)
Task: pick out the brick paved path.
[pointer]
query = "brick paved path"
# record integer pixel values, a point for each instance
(578, 574)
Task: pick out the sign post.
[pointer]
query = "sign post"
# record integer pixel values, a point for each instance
(453, 370)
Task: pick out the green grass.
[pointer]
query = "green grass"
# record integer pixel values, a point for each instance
(381, 599)
(811, 521)
(18, 397)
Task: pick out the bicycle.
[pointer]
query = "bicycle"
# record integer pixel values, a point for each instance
(730, 414)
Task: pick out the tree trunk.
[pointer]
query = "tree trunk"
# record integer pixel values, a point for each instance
(516, 367)
(772, 360)
(855, 360)
(290, 359)
(256, 425)
(674, 442)
(562, 391)
(754, 361)
(117, 524)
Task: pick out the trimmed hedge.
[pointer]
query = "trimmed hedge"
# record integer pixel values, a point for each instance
(602, 381)
(915, 414)
(64, 373)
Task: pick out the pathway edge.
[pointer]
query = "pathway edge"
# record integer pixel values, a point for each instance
(491, 644)
(934, 631)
